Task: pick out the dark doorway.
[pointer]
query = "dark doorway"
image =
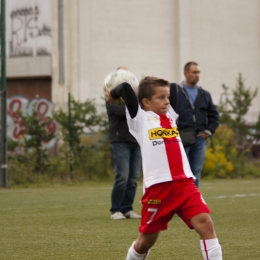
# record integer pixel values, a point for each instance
(30, 88)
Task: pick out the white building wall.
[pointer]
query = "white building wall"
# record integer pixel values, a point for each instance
(141, 35)
(225, 40)
(157, 38)
(69, 83)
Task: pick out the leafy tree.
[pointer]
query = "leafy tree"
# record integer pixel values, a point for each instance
(84, 118)
(256, 139)
(233, 108)
(36, 134)
(257, 128)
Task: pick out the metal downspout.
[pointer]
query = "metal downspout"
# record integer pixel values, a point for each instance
(61, 50)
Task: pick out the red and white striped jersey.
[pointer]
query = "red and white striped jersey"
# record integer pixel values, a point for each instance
(163, 155)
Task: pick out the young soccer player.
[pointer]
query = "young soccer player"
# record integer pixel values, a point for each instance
(169, 188)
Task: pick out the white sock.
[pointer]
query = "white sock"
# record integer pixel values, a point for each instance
(211, 249)
(133, 255)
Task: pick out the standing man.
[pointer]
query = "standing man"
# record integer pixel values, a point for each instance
(196, 111)
(127, 162)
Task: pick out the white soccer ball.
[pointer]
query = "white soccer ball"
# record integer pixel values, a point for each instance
(119, 76)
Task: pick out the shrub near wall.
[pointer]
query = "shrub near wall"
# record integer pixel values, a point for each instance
(224, 160)
(93, 162)
(221, 155)
(73, 159)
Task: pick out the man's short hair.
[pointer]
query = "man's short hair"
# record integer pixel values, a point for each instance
(188, 64)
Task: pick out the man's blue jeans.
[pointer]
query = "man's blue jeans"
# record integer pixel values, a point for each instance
(127, 163)
(196, 156)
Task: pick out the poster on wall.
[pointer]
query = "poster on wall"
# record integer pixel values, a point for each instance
(28, 28)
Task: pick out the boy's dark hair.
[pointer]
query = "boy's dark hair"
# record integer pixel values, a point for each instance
(147, 87)
(187, 65)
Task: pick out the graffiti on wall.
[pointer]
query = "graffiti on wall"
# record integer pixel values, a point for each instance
(16, 128)
(29, 32)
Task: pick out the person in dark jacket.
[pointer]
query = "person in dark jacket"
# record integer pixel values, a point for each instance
(127, 162)
(207, 117)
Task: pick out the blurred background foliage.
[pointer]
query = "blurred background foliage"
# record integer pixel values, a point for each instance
(232, 152)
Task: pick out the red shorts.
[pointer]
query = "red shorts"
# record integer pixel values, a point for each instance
(161, 201)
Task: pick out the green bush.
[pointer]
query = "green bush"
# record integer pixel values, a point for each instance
(220, 154)
(93, 162)
(233, 108)
(223, 159)
(81, 156)
(229, 151)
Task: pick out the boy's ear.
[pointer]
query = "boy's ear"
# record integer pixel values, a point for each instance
(145, 102)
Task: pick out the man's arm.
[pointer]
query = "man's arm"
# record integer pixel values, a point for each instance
(213, 118)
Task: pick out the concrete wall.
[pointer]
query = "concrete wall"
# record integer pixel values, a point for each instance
(150, 37)
(29, 67)
(158, 37)
(225, 39)
(141, 35)
(67, 64)
(28, 38)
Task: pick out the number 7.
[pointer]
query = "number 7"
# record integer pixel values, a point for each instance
(154, 212)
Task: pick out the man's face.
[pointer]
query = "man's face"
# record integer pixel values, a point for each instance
(192, 76)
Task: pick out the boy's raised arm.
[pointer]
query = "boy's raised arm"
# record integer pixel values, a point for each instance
(174, 95)
(126, 92)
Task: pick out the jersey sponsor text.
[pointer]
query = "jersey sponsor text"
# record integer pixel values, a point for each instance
(158, 133)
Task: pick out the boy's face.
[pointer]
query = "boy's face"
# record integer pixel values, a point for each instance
(159, 102)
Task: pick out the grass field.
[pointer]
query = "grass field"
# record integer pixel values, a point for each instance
(72, 222)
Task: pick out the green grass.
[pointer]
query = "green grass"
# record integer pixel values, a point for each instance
(72, 222)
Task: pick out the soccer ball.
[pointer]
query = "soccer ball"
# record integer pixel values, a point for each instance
(119, 76)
